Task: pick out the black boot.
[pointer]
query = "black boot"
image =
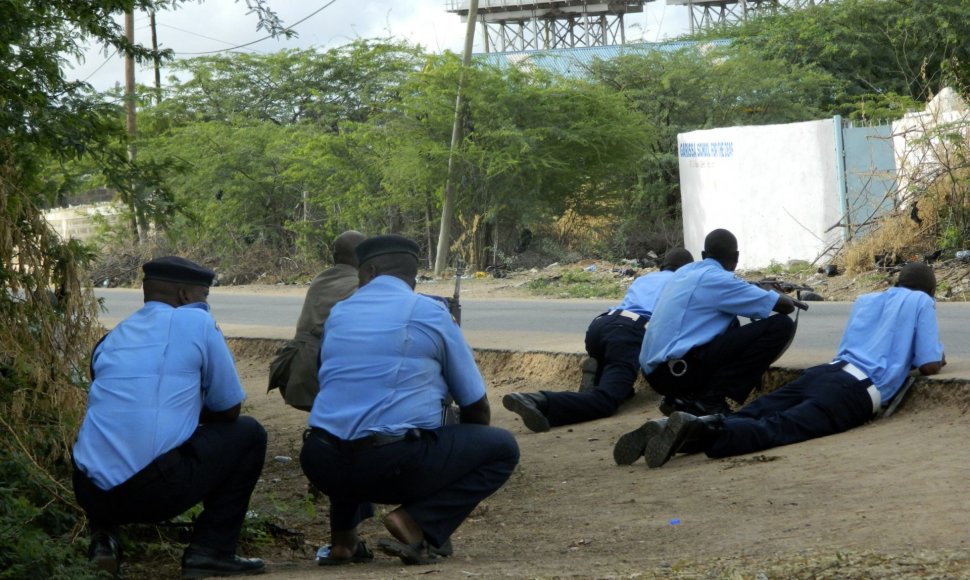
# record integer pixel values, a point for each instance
(631, 446)
(105, 551)
(199, 562)
(531, 407)
(682, 429)
(699, 406)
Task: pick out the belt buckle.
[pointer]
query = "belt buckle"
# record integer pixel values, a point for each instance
(677, 366)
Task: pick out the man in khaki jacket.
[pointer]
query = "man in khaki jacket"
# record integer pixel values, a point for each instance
(294, 371)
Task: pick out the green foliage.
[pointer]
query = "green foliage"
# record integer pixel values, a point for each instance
(28, 519)
(358, 137)
(876, 47)
(578, 284)
(51, 130)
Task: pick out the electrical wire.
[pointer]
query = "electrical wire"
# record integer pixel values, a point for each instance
(95, 71)
(288, 28)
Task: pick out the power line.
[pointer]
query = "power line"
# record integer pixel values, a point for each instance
(291, 27)
(95, 71)
(160, 25)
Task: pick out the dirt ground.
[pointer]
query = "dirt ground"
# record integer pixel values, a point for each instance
(888, 500)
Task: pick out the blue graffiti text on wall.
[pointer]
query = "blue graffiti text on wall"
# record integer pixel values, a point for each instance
(717, 149)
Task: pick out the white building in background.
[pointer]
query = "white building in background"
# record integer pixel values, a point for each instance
(800, 191)
(931, 141)
(80, 222)
(788, 192)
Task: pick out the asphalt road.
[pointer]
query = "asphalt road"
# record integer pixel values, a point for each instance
(545, 325)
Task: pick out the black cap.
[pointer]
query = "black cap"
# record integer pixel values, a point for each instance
(389, 244)
(675, 258)
(179, 270)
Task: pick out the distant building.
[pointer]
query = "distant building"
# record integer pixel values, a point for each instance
(80, 222)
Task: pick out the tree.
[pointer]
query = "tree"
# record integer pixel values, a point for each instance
(910, 48)
(49, 315)
(284, 174)
(344, 84)
(537, 146)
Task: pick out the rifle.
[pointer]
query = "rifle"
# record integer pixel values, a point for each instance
(898, 398)
(786, 288)
(450, 414)
(454, 303)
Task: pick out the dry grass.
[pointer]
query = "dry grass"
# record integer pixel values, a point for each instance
(50, 324)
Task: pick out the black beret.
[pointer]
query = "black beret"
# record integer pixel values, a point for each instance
(389, 244)
(179, 270)
(675, 258)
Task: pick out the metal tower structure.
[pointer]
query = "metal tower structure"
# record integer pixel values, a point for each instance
(519, 25)
(710, 13)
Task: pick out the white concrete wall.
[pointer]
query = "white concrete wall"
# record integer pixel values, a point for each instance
(774, 186)
(78, 222)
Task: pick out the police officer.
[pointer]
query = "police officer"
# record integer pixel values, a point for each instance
(390, 357)
(299, 387)
(887, 334)
(695, 351)
(613, 340)
(162, 430)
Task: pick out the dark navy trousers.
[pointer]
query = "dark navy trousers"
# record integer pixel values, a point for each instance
(614, 341)
(218, 466)
(824, 400)
(437, 477)
(731, 365)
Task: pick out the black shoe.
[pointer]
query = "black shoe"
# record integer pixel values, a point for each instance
(105, 552)
(631, 446)
(662, 447)
(588, 382)
(444, 550)
(668, 405)
(202, 563)
(699, 407)
(528, 406)
(682, 429)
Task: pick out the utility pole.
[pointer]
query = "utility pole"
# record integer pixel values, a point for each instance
(130, 115)
(457, 136)
(158, 71)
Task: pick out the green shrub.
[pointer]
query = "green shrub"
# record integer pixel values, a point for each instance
(582, 284)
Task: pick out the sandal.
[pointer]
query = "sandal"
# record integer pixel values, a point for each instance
(418, 554)
(361, 555)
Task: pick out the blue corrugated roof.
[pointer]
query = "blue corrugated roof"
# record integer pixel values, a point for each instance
(576, 61)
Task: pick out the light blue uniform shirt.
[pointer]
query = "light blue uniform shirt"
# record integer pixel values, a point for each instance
(699, 303)
(390, 356)
(890, 332)
(642, 295)
(152, 375)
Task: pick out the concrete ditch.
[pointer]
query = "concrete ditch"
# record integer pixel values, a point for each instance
(538, 370)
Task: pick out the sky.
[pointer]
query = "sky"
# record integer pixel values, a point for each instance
(215, 25)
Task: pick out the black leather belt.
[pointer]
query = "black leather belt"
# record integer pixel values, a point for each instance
(375, 440)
